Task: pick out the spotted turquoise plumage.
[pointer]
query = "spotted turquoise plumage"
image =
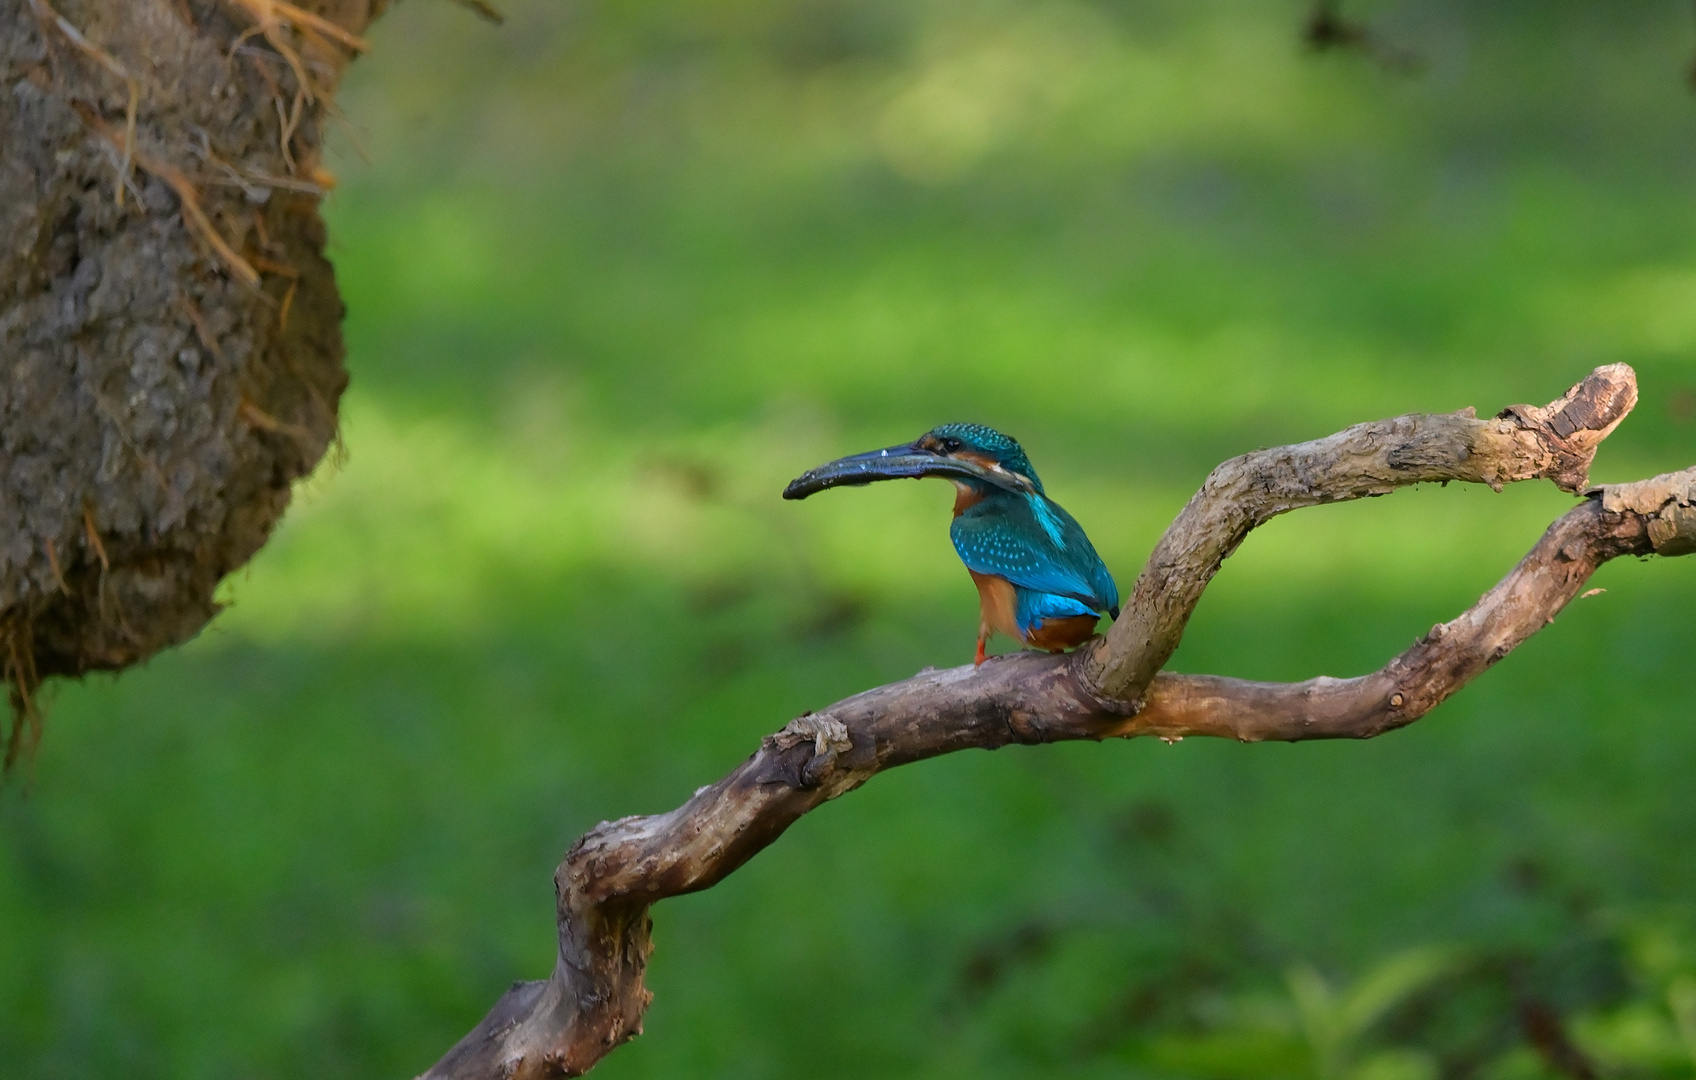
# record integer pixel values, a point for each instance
(1032, 542)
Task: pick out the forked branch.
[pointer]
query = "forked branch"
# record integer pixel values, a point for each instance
(595, 998)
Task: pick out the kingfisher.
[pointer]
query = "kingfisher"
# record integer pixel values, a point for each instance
(1039, 579)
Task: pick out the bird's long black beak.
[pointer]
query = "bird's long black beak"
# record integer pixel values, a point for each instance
(905, 462)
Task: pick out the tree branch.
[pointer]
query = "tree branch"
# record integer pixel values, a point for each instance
(1555, 442)
(595, 998)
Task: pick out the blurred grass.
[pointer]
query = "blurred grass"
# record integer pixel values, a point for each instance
(615, 272)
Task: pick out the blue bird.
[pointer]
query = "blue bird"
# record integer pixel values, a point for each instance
(1039, 579)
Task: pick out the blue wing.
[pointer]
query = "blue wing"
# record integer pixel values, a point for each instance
(1033, 543)
(1035, 607)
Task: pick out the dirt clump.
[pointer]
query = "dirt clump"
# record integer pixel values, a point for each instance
(170, 331)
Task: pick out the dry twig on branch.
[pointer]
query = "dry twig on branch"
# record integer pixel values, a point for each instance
(1113, 688)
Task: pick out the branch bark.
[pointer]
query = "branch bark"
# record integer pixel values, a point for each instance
(595, 998)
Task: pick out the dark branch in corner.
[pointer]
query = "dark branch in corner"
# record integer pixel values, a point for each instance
(483, 10)
(1328, 28)
(595, 998)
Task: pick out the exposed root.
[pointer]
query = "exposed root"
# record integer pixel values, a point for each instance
(17, 667)
(115, 415)
(290, 123)
(129, 141)
(270, 17)
(264, 421)
(76, 37)
(46, 14)
(193, 215)
(94, 539)
(253, 182)
(284, 270)
(201, 329)
(261, 231)
(53, 564)
(272, 266)
(323, 404)
(288, 302)
(270, 13)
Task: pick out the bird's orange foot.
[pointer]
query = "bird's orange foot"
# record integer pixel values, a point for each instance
(981, 657)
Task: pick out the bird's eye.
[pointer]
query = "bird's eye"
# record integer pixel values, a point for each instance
(950, 445)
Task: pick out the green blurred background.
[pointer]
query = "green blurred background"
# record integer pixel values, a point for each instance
(615, 271)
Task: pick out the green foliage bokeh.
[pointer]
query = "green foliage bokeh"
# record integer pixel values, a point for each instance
(617, 271)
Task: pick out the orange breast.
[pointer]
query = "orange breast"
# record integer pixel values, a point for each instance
(998, 603)
(965, 497)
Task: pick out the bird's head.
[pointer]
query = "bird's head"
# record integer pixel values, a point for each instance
(968, 454)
